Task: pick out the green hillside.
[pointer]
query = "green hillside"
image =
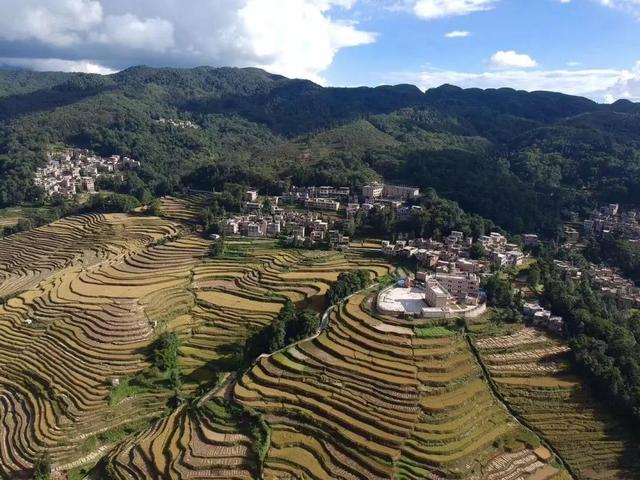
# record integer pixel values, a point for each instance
(522, 159)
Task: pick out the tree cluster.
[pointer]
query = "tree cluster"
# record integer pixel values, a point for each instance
(603, 337)
(346, 284)
(289, 326)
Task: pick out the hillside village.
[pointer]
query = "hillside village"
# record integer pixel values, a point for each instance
(74, 171)
(313, 215)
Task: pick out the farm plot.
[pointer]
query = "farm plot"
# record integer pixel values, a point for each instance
(532, 372)
(64, 340)
(359, 403)
(28, 258)
(237, 295)
(192, 443)
(185, 208)
(234, 295)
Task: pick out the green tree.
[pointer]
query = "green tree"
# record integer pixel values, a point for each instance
(42, 467)
(499, 291)
(306, 324)
(477, 251)
(217, 248)
(534, 275)
(165, 351)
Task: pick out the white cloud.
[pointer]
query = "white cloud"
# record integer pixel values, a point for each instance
(152, 34)
(432, 9)
(629, 6)
(55, 65)
(457, 34)
(510, 59)
(598, 84)
(298, 38)
(59, 23)
(573, 64)
(301, 40)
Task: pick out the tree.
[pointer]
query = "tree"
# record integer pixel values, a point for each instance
(266, 206)
(153, 208)
(165, 351)
(346, 284)
(42, 467)
(477, 251)
(499, 291)
(217, 248)
(305, 325)
(534, 275)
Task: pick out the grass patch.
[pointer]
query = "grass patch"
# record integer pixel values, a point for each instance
(434, 332)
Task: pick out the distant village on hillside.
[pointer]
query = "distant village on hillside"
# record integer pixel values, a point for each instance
(74, 171)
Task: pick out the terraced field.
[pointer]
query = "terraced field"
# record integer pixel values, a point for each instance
(85, 298)
(532, 372)
(88, 321)
(28, 258)
(367, 399)
(184, 208)
(241, 293)
(204, 442)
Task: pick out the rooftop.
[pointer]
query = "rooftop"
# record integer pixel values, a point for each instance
(401, 300)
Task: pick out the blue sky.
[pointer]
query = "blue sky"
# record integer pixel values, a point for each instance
(598, 40)
(585, 47)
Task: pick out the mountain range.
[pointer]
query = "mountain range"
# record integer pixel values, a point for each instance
(523, 159)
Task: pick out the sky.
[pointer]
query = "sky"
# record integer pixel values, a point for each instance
(581, 47)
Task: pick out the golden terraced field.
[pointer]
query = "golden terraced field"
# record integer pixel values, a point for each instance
(531, 370)
(84, 299)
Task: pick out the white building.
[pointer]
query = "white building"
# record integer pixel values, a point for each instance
(373, 190)
(435, 294)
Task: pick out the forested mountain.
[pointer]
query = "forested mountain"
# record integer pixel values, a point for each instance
(522, 159)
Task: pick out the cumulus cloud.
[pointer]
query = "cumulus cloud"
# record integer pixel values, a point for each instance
(457, 34)
(598, 84)
(433, 9)
(296, 38)
(511, 59)
(55, 22)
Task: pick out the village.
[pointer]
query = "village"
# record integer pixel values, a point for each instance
(312, 215)
(74, 171)
(605, 221)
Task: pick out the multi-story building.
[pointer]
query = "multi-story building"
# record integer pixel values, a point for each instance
(230, 228)
(373, 190)
(435, 295)
(530, 239)
(273, 229)
(322, 204)
(251, 195)
(254, 230)
(460, 285)
(400, 192)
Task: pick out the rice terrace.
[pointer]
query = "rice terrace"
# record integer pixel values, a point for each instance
(126, 354)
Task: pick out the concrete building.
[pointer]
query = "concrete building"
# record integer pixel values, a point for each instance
(435, 294)
(251, 195)
(530, 239)
(322, 204)
(230, 228)
(400, 192)
(373, 190)
(460, 285)
(254, 230)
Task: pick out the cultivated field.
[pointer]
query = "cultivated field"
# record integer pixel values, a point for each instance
(368, 399)
(90, 289)
(83, 300)
(532, 372)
